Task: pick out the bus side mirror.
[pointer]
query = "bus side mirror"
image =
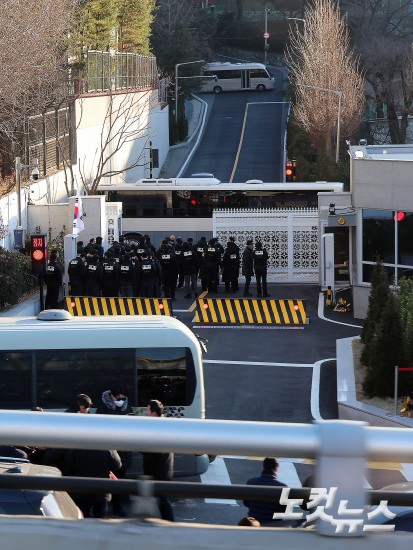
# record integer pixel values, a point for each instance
(203, 343)
(215, 78)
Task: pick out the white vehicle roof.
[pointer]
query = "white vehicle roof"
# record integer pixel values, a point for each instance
(192, 184)
(103, 332)
(216, 65)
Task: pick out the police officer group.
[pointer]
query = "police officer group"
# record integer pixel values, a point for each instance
(137, 269)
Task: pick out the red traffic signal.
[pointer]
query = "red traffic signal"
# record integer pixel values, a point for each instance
(38, 253)
(290, 166)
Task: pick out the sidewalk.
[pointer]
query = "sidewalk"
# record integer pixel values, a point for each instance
(179, 154)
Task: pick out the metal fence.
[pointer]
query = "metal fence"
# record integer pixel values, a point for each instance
(341, 448)
(119, 71)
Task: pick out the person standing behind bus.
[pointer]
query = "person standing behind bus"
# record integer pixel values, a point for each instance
(53, 279)
(260, 268)
(115, 401)
(160, 466)
(248, 266)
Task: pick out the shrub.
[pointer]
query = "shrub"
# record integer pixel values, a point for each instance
(15, 277)
(387, 351)
(379, 295)
(24, 266)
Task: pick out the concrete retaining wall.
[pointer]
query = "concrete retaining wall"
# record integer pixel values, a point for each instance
(92, 119)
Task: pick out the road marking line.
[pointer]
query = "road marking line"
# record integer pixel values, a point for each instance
(217, 474)
(315, 392)
(244, 123)
(193, 305)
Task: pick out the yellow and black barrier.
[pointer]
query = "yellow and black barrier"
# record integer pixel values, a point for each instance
(87, 306)
(234, 311)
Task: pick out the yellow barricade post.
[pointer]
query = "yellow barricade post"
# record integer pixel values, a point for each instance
(88, 306)
(234, 311)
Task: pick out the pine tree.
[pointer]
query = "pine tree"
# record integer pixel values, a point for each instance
(98, 20)
(135, 21)
(387, 351)
(379, 294)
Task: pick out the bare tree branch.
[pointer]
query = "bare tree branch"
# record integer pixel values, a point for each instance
(125, 122)
(320, 57)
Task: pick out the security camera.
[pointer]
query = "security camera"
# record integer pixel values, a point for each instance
(35, 173)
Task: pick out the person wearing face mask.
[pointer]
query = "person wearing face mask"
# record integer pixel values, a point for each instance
(115, 401)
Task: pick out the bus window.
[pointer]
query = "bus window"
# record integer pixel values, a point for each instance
(16, 380)
(259, 73)
(227, 75)
(166, 374)
(62, 374)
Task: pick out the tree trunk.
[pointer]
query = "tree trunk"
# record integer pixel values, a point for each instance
(393, 122)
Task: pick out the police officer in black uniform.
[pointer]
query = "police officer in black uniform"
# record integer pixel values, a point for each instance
(211, 264)
(53, 279)
(190, 266)
(76, 272)
(199, 249)
(230, 267)
(260, 268)
(128, 275)
(93, 276)
(169, 265)
(110, 279)
(147, 274)
(178, 246)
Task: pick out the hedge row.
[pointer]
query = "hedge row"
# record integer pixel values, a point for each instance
(16, 277)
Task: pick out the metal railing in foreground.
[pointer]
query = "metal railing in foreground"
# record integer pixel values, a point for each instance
(341, 448)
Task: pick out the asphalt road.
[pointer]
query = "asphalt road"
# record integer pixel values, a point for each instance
(243, 138)
(265, 374)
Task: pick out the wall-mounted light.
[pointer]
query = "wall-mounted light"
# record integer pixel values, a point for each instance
(332, 209)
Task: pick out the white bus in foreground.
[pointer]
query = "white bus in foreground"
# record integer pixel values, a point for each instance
(233, 77)
(48, 360)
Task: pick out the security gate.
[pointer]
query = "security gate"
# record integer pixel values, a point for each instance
(291, 238)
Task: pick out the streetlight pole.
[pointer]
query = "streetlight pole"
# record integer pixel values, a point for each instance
(176, 83)
(340, 95)
(266, 12)
(18, 232)
(35, 175)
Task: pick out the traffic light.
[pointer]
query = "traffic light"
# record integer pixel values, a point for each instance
(290, 167)
(38, 252)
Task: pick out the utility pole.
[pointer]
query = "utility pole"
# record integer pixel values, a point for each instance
(266, 35)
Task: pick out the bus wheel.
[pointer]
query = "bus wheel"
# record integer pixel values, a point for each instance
(261, 87)
(217, 89)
